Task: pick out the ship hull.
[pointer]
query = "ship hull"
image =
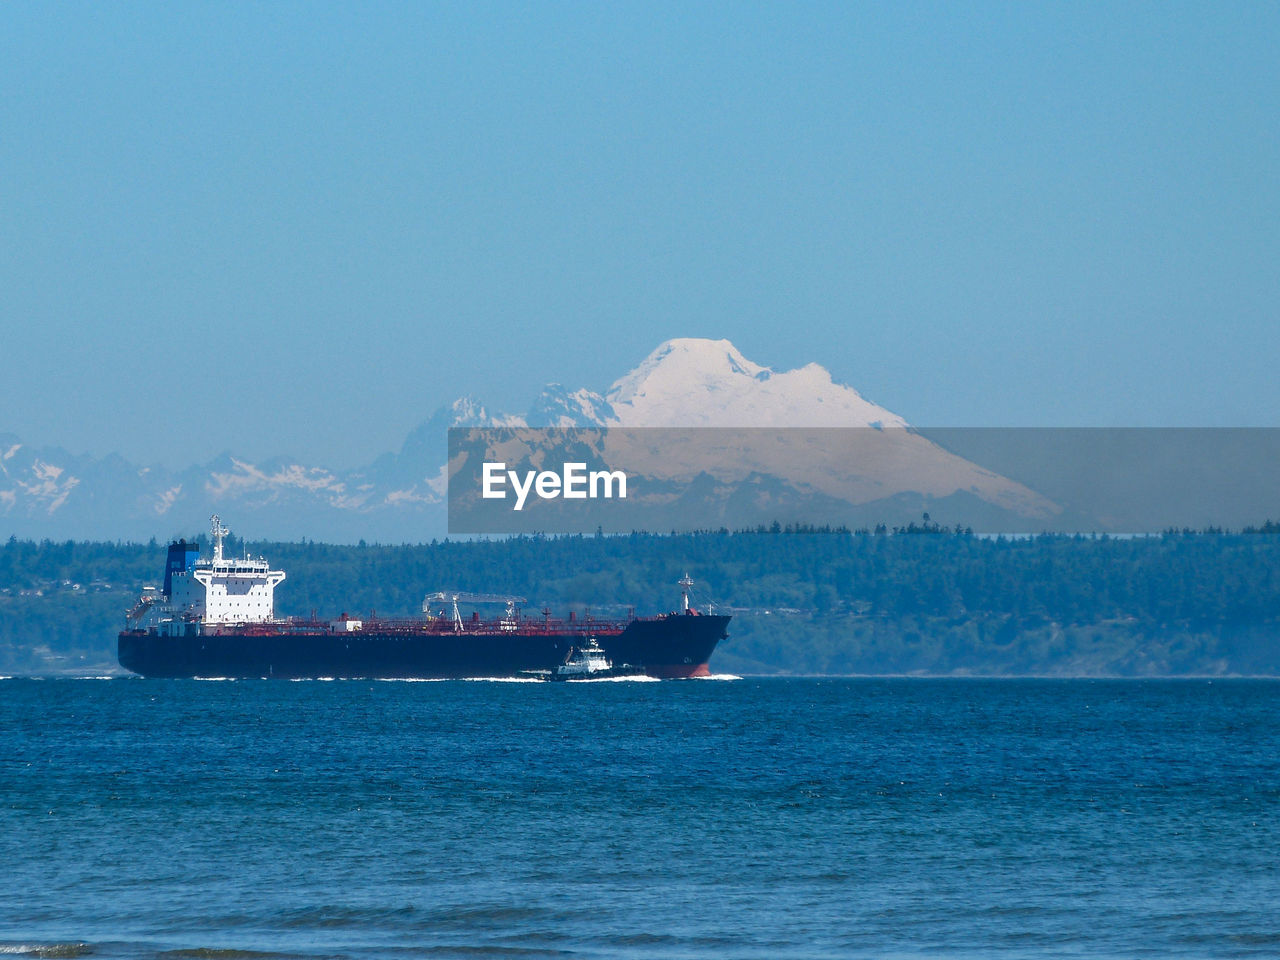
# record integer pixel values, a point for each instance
(672, 646)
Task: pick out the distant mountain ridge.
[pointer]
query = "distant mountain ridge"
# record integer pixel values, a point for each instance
(48, 492)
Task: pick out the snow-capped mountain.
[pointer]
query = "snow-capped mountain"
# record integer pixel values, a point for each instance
(47, 492)
(686, 386)
(709, 383)
(559, 407)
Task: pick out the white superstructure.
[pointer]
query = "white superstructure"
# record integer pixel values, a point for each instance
(221, 590)
(584, 661)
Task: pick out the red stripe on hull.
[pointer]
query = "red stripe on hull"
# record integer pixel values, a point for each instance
(678, 671)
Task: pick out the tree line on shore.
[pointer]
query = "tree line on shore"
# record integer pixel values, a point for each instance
(917, 599)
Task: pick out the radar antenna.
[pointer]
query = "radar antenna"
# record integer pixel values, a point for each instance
(685, 584)
(219, 531)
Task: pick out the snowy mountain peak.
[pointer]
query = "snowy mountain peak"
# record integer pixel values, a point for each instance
(684, 361)
(470, 412)
(709, 383)
(557, 406)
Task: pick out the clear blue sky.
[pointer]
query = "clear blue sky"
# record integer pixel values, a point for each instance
(301, 228)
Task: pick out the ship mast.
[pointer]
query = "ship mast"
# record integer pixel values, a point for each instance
(685, 584)
(219, 531)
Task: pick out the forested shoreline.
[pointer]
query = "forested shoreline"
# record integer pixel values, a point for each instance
(916, 600)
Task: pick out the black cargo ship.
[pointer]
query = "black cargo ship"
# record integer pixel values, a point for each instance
(215, 618)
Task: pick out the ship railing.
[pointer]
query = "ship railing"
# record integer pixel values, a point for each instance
(527, 626)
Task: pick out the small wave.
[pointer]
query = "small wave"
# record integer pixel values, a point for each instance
(87, 678)
(222, 953)
(719, 676)
(1244, 939)
(337, 916)
(51, 950)
(482, 916)
(214, 679)
(647, 940)
(411, 679)
(490, 951)
(637, 678)
(504, 679)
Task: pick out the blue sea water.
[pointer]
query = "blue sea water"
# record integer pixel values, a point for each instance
(748, 818)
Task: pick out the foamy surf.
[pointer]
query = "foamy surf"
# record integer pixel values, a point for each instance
(74, 949)
(411, 679)
(718, 676)
(503, 679)
(638, 678)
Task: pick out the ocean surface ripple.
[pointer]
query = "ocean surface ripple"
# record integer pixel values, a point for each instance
(778, 818)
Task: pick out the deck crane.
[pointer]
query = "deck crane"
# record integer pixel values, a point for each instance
(509, 620)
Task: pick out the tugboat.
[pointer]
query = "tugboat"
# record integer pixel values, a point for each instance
(589, 662)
